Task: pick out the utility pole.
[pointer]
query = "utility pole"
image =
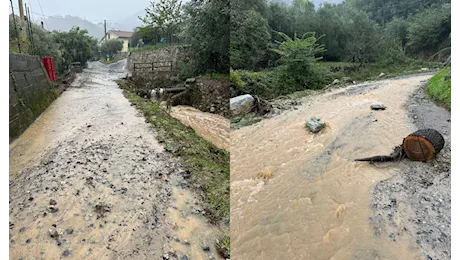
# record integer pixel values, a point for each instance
(105, 30)
(16, 27)
(21, 9)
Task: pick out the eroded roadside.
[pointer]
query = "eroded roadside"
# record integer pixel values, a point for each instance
(417, 200)
(89, 180)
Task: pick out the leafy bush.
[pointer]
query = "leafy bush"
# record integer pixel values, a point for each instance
(298, 62)
(111, 47)
(264, 83)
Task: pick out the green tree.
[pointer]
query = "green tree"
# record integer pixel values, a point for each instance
(429, 31)
(165, 15)
(75, 46)
(364, 41)
(397, 30)
(207, 31)
(148, 34)
(249, 39)
(383, 11)
(303, 12)
(298, 60)
(111, 47)
(331, 20)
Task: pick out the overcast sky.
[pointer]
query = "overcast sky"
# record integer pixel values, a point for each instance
(96, 10)
(91, 10)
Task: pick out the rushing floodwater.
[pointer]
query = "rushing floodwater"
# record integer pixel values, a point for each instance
(317, 204)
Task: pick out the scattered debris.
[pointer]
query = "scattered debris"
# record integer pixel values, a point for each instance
(53, 209)
(101, 209)
(53, 233)
(378, 107)
(336, 82)
(205, 247)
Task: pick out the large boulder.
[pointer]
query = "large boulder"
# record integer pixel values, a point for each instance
(241, 105)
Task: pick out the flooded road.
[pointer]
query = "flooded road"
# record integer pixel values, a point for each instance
(212, 127)
(88, 180)
(298, 195)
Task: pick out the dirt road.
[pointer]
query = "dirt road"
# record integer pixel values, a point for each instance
(88, 180)
(318, 203)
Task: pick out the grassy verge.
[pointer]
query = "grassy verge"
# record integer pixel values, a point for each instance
(439, 88)
(223, 245)
(269, 84)
(209, 166)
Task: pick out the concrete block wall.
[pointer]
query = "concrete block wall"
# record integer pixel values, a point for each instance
(31, 92)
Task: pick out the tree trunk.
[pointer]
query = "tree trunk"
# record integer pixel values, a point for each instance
(423, 144)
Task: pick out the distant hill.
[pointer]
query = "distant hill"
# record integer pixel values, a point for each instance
(65, 23)
(128, 23)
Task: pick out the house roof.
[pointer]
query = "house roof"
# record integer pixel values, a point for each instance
(121, 34)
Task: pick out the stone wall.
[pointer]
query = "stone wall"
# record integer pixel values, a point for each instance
(31, 92)
(168, 55)
(206, 94)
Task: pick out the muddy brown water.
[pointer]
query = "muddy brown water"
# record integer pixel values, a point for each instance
(212, 127)
(118, 194)
(316, 205)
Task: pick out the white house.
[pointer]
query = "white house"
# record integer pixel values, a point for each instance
(122, 35)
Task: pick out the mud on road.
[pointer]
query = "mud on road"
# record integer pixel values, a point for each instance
(88, 180)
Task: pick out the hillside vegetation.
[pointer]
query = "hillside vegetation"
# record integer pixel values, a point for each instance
(278, 48)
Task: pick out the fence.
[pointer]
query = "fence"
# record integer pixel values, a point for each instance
(154, 68)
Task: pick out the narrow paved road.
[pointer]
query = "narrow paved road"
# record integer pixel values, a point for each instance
(317, 205)
(88, 180)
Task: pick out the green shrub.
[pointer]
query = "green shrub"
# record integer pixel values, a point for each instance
(298, 59)
(263, 84)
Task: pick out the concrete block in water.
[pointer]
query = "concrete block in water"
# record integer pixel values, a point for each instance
(241, 105)
(315, 124)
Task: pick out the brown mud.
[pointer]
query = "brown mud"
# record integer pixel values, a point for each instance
(88, 180)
